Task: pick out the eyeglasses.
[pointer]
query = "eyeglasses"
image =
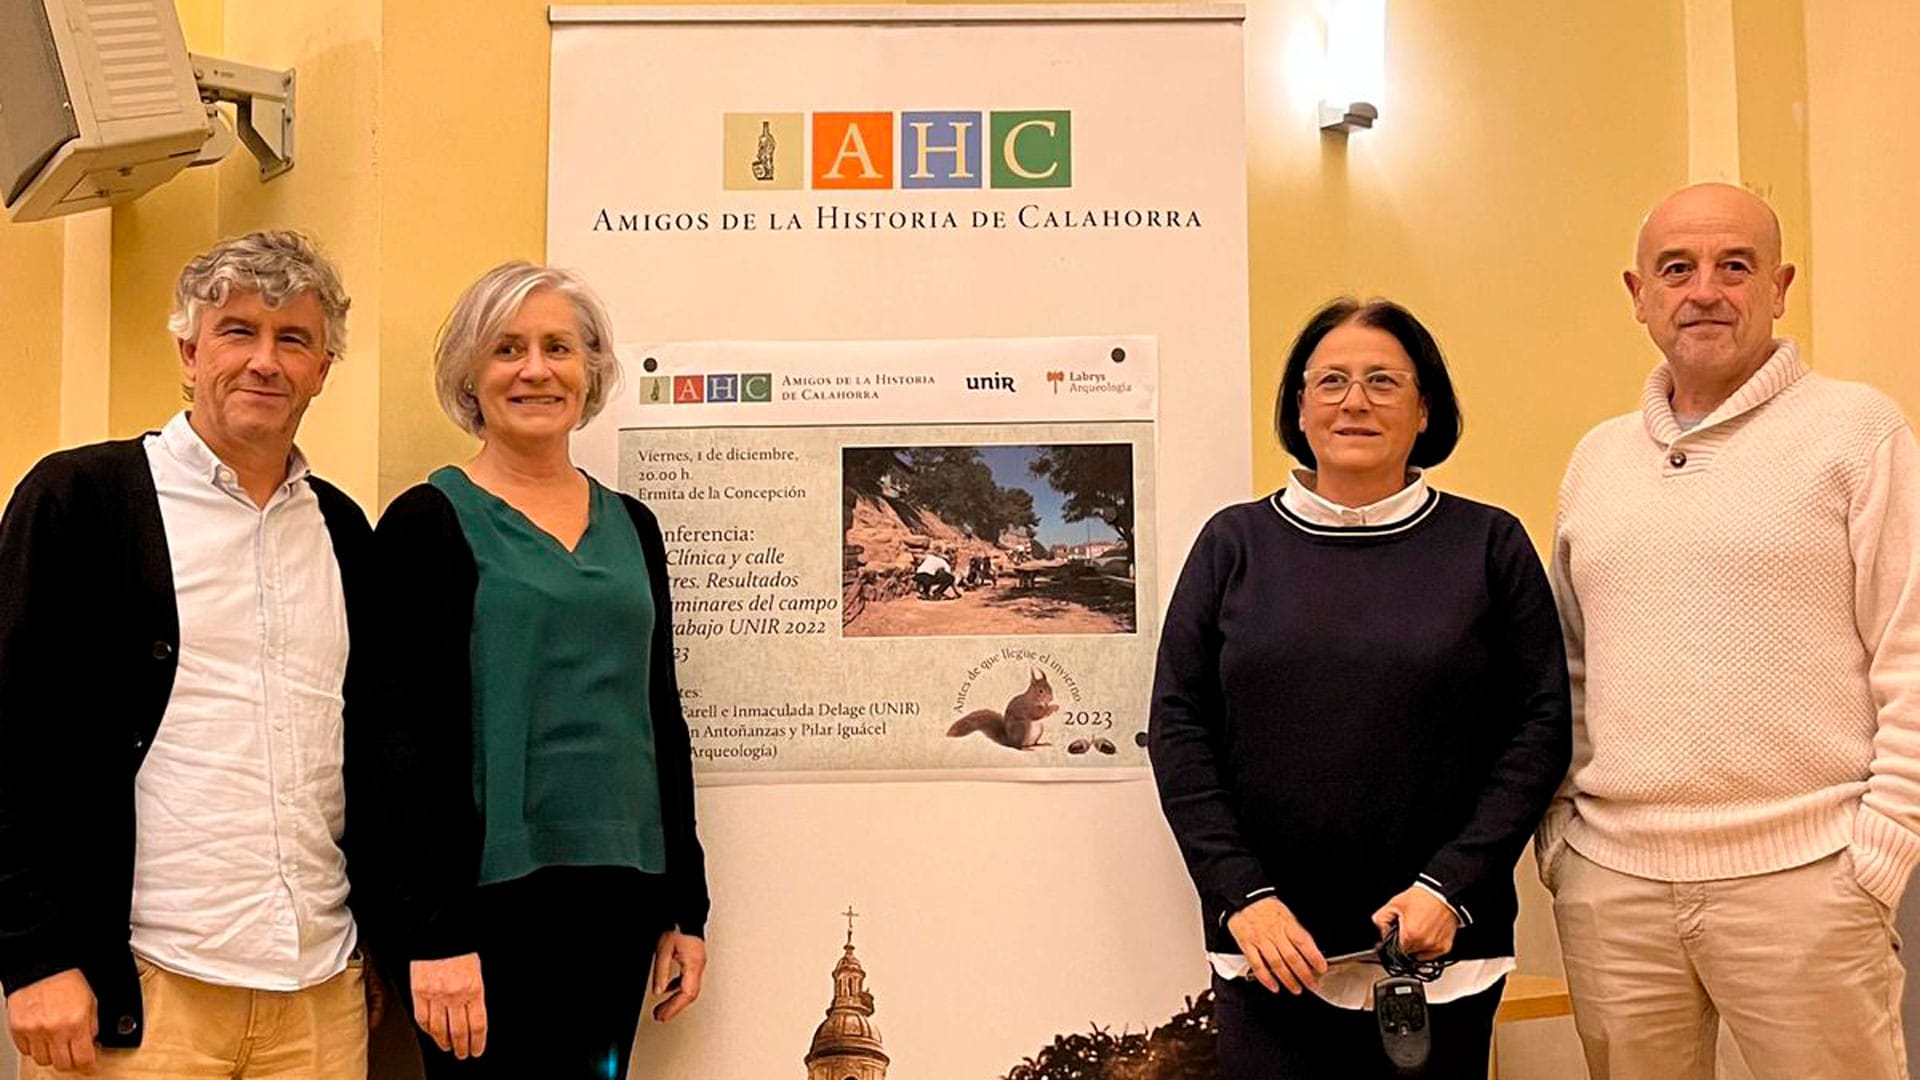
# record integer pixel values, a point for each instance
(1380, 387)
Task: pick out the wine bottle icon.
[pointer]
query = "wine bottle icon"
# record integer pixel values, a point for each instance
(763, 155)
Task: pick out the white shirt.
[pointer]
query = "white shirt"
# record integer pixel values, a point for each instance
(1349, 981)
(1311, 506)
(934, 564)
(238, 878)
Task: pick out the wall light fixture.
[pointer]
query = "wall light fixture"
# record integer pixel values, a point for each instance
(1355, 73)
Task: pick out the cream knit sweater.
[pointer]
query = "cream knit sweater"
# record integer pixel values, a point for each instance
(1742, 612)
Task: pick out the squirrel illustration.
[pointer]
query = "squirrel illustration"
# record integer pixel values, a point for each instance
(1019, 727)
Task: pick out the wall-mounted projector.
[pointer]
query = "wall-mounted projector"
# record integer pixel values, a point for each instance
(100, 102)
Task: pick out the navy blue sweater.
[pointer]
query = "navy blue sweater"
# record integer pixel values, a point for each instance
(1338, 713)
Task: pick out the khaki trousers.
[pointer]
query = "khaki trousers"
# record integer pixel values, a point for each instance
(199, 1031)
(1801, 964)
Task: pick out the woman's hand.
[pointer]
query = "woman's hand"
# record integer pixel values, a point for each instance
(1426, 923)
(689, 954)
(450, 1003)
(1278, 948)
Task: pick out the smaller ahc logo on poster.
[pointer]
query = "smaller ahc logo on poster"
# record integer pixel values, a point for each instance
(717, 388)
(880, 151)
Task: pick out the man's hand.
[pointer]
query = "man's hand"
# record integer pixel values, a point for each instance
(54, 1021)
(1278, 948)
(450, 1003)
(1426, 923)
(689, 954)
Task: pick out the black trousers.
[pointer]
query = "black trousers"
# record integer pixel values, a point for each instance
(565, 955)
(1267, 1036)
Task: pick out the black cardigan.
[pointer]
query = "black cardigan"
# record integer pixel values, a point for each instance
(89, 634)
(1337, 713)
(432, 839)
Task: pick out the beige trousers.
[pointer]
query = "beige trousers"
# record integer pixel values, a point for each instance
(199, 1031)
(1802, 965)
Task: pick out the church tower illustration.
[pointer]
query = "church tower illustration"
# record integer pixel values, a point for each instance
(846, 1045)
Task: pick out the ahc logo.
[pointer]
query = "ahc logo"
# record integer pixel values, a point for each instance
(855, 150)
(718, 388)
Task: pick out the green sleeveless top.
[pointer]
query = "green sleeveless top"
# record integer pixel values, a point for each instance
(563, 758)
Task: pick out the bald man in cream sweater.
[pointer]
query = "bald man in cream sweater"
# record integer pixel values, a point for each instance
(1737, 576)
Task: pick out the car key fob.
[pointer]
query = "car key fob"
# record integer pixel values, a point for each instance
(1400, 1007)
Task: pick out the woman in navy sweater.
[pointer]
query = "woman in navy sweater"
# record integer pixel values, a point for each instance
(1360, 713)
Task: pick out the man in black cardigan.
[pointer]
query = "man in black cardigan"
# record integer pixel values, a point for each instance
(173, 662)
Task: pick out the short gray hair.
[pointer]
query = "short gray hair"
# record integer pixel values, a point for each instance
(481, 315)
(276, 263)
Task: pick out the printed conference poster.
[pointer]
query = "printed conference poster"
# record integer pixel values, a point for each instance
(902, 560)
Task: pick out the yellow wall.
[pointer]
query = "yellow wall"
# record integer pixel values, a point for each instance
(1456, 218)
(1510, 143)
(152, 238)
(30, 265)
(1864, 151)
(1519, 144)
(1497, 198)
(1770, 77)
(86, 325)
(438, 236)
(333, 193)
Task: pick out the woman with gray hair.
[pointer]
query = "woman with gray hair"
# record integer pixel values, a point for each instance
(537, 796)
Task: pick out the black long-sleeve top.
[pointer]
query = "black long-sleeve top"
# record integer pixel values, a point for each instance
(1338, 713)
(431, 832)
(89, 646)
